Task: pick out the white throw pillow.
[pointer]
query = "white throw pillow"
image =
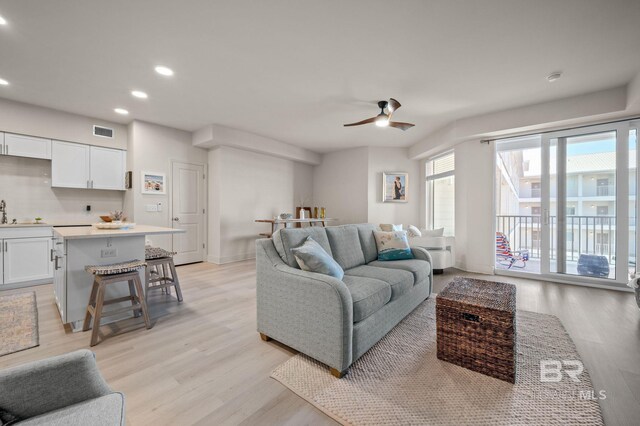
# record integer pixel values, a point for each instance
(414, 231)
(433, 232)
(389, 227)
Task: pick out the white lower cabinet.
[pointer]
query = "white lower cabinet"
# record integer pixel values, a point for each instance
(27, 259)
(26, 255)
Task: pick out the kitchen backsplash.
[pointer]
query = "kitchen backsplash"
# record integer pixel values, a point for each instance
(25, 184)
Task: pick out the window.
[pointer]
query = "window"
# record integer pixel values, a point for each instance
(441, 193)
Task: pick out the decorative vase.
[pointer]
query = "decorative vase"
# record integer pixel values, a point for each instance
(322, 213)
(315, 213)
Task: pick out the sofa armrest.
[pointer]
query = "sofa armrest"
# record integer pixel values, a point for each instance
(310, 312)
(42, 386)
(423, 254)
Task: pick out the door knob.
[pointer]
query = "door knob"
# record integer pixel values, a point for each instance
(176, 219)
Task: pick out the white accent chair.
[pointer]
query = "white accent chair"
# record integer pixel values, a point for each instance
(441, 249)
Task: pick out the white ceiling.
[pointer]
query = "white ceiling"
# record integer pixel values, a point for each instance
(295, 71)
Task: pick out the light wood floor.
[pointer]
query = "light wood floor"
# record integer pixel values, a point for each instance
(204, 363)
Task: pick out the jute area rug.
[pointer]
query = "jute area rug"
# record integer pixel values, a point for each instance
(18, 322)
(400, 381)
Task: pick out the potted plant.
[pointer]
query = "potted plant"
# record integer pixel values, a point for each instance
(38, 220)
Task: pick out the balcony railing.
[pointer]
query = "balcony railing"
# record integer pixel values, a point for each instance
(584, 235)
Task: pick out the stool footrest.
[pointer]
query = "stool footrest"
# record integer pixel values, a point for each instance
(120, 299)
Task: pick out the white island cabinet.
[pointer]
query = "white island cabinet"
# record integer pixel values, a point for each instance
(77, 247)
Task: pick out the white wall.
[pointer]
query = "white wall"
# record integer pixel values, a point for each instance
(17, 117)
(152, 148)
(25, 184)
(244, 186)
(393, 160)
(341, 185)
(475, 241)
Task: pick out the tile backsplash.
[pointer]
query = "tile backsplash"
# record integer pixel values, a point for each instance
(25, 184)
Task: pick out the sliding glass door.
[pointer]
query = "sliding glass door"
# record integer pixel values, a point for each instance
(566, 204)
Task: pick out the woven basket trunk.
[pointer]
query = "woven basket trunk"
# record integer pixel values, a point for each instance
(476, 327)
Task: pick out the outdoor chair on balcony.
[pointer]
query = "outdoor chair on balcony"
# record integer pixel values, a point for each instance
(507, 257)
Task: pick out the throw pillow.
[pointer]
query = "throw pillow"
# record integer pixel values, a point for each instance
(392, 245)
(414, 231)
(433, 232)
(388, 227)
(312, 257)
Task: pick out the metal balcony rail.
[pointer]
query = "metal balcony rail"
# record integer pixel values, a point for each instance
(584, 234)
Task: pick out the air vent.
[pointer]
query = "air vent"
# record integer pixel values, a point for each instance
(103, 132)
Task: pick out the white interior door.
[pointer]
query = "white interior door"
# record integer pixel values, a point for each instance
(187, 211)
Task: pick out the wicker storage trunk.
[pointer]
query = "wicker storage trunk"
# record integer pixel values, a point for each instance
(476, 326)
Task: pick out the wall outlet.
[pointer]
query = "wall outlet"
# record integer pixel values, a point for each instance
(110, 252)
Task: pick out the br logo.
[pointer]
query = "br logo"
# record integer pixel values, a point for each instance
(552, 370)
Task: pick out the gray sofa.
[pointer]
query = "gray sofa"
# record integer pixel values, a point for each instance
(62, 390)
(336, 321)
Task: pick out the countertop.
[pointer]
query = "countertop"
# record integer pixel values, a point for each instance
(25, 225)
(75, 232)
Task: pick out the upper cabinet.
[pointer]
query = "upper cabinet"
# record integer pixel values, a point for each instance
(81, 166)
(25, 146)
(107, 167)
(70, 165)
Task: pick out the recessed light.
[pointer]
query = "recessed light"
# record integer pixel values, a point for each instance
(554, 76)
(3, 21)
(162, 70)
(121, 111)
(3, 82)
(139, 94)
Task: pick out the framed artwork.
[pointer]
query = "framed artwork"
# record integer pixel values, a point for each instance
(395, 187)
(154, 183)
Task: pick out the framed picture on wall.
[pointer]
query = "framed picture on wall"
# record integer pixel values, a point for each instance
(395, 187)
(154, 183)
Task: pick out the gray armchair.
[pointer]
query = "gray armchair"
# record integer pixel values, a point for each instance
(62, 390)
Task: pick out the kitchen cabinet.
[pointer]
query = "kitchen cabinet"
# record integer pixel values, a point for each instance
(25, 255)
(107, 168)
(69, 165)
(82, 166)
(26, 146)
(27, 259)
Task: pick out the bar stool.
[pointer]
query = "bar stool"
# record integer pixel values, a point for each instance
(105, 275)
(160, 272)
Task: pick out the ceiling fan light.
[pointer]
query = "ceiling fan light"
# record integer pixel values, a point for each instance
(382, 120)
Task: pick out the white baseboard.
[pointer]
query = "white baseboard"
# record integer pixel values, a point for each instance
(230, 259)
(477, 268)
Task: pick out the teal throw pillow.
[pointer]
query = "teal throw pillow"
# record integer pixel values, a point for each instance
(393, 245)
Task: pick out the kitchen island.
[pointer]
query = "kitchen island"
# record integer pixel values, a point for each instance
(77, 247)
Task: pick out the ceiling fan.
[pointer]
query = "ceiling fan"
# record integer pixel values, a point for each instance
(384, 118)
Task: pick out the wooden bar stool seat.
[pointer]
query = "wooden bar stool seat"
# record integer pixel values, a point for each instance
(161, 272)
(105, 275)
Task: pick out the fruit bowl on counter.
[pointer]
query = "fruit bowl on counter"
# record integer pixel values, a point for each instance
(114, 225)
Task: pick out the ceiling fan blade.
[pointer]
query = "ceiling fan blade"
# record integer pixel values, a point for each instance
(401, 126)
(393, 104)
(367, 121)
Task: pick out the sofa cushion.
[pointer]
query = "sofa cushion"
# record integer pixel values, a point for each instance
(312, 257)
(400, 281)
(393, 245)
(368, 295)
(345, 246)
(287, 238)
(107, 410)
(367, 241)
(419, 268)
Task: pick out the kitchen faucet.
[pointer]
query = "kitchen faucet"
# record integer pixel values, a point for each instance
(3, 209)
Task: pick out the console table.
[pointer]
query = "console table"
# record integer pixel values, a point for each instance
(277, 222)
